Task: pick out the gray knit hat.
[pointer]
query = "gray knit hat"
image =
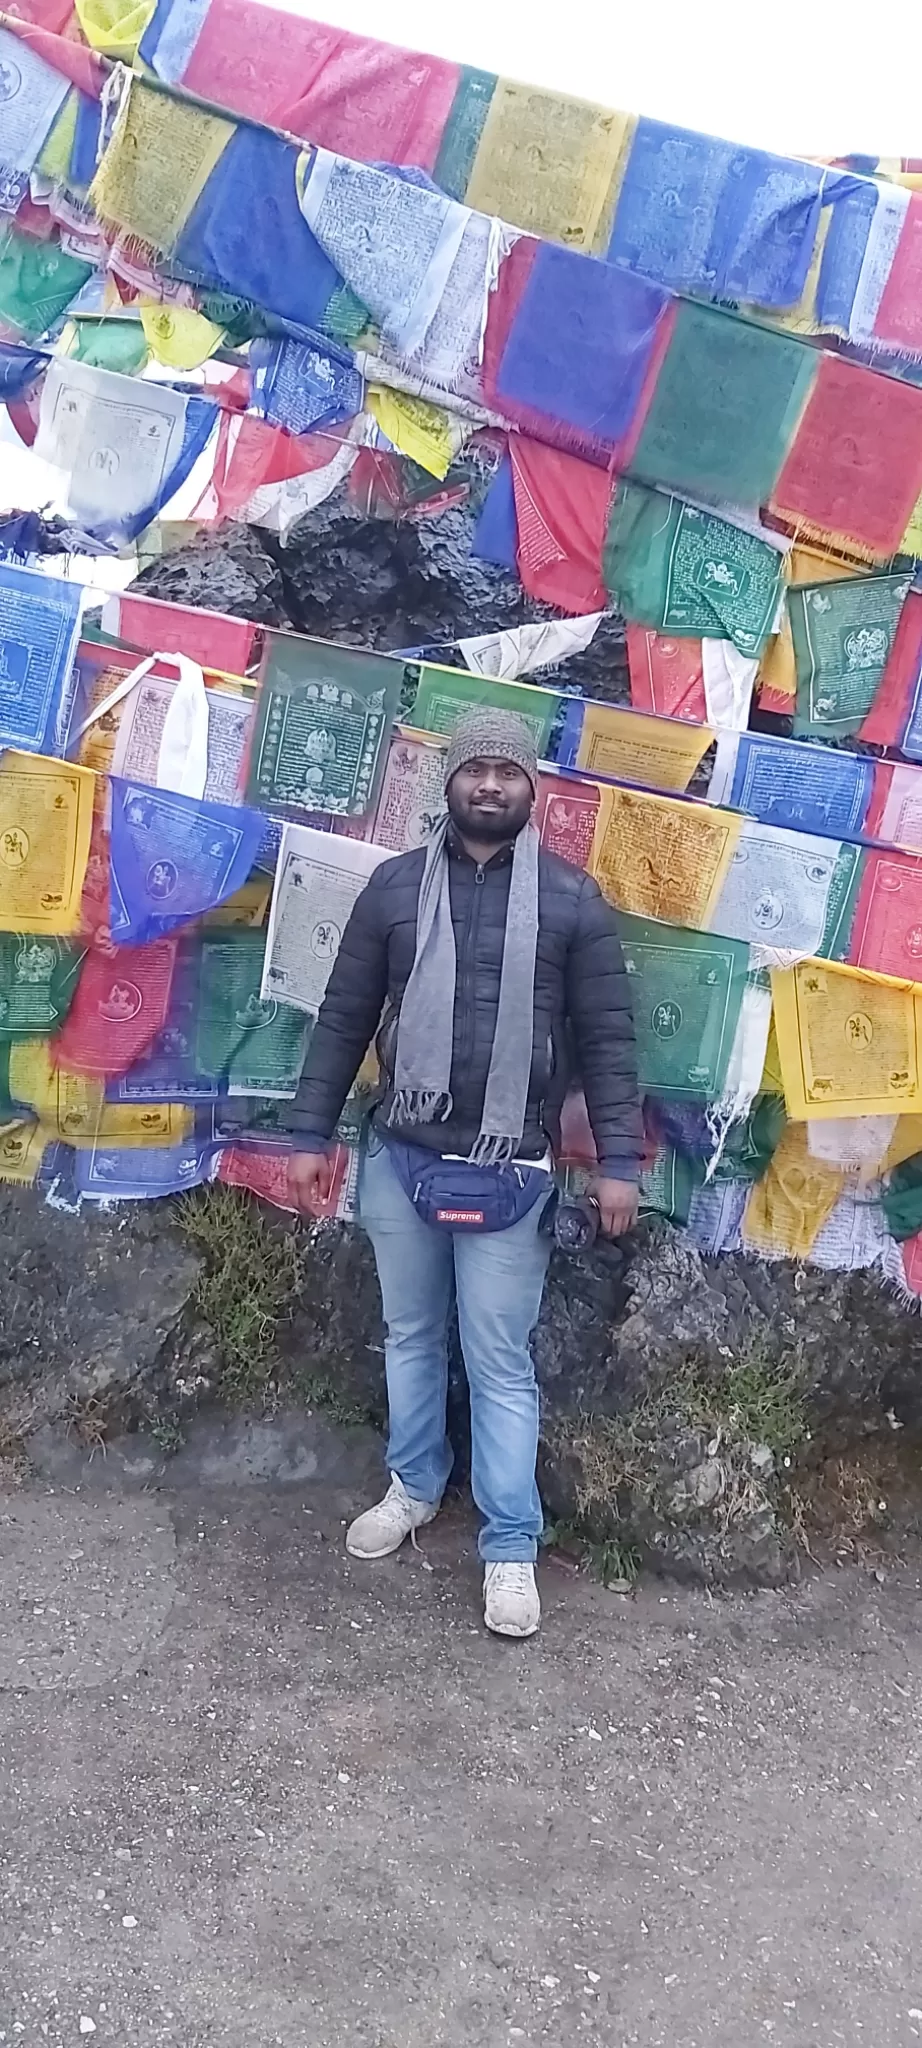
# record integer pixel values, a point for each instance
(493, 735)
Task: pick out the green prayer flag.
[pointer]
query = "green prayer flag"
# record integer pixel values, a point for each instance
(685, 571)
(240, 319)
(7, 1106)
(111, 344)
(901, 1199)
(840, 904)
(444, 694)
(842, 634)
(323, 720)
(749, 1145)
(726, 404)
(38, 977)
(666, 1187)
(38, 280)
(256, 1047)
(686, 992)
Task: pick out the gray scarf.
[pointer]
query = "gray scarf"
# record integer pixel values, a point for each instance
(422, 1073)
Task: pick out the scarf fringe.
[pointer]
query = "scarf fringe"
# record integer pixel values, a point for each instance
(419, 1106)
(491, 1151)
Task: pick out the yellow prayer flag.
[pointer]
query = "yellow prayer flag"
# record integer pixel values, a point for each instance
(54, 158)
(46, 817)
(158, 162)
(662, 752)
(21, 1148)
(69, 1104)
(659, 858)
(904, 1144)
(114, 27)
(423, 431)
(247, 906)
(786, 1209)
(771, 1082)
(137, 1125)
(73, 1106)
(911, 543)
(550, 164)
(177, 336)
(849, 1043)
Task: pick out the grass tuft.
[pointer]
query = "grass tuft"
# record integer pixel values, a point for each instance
(247, 1286)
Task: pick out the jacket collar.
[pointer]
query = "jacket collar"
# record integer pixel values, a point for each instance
(458, 851)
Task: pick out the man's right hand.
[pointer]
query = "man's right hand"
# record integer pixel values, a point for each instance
(309, 1177)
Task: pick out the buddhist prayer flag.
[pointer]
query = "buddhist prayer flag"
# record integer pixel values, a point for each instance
(323, 720)
(251, 1045)
(37, 980)
(808, 789)
(444, 694)
(660, 858)
(727, 400)
(173, 858)
(849, 1045)
(685, 570)
(39, 628)
(661, 753)
(843, 634)
(46, 817)
(686, 990)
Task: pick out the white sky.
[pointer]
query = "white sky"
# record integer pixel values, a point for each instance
(800, 76)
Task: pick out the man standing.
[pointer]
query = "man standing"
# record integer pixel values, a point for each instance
(499, 971)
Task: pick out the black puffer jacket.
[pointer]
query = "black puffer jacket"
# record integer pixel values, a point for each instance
(582, 1013)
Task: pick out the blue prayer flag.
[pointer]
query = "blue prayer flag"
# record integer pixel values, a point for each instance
(495, 535)
(807, 789)
(709, 217)
(580, 344)
(247, 234)
(300, 387)
(39, 628)
(173, 858)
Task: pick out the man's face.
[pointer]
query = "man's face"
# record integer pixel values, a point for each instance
(490, 799)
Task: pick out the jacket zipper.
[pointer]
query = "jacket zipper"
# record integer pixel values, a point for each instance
(467, 1011)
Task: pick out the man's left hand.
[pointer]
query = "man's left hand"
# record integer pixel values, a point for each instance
(616, 1201)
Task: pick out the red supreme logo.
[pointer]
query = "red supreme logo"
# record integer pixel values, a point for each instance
(459, 1215)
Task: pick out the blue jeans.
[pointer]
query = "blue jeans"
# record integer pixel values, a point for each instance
(498, 1277)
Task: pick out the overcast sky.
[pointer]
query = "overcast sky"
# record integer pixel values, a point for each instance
(800, 76)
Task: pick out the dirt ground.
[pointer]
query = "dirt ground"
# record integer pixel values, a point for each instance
(253, 1793)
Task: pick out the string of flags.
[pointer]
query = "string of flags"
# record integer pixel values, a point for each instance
(674, 378)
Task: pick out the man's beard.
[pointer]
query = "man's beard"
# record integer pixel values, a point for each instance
(502, 824)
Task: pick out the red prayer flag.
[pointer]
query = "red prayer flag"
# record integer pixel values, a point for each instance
(886, 722)
(899, 315)
(344, 92)
(120, 1004)
(213, 639)
(562, 506)
(887, 930)
(565, 814)
(854, 472)
(577, 1144)
(265, 1173)
(504, 302)
(667, 676)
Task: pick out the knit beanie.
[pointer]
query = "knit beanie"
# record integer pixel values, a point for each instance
(489, 734)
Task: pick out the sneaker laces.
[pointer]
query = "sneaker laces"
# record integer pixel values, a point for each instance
(517, 1578)
(396, 1504)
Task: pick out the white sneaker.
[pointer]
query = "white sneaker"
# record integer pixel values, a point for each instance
(381, 1529)
(511, 1606)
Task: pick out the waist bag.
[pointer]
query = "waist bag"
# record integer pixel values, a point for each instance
(453, 1194)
